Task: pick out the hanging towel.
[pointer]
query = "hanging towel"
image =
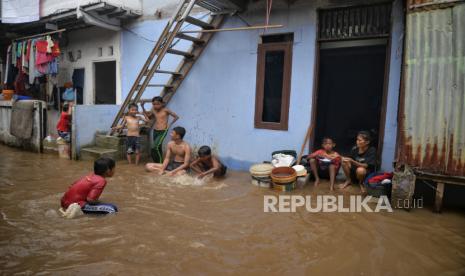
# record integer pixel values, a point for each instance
(49, 44)
(13, 53)
(22, 117)
(32, 62)
(24, 62)
(8, 63)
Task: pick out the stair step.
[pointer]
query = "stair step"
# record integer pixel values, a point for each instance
(109, 142)
(176, 74)
(200, 23)
(190, 38)
(157, 85)
(169, 72)
(180, 53)
(92, 153)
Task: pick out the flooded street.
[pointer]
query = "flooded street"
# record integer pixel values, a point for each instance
(166, 227)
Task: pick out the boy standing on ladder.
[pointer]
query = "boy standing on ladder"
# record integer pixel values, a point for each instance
(161, 115)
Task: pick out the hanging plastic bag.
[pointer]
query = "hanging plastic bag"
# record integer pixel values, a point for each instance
(68, 95)
(403, 188)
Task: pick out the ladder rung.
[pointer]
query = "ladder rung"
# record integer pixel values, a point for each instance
(200, 23)
(177, 74)
(181, 53)
(157, 85)
(190, 38)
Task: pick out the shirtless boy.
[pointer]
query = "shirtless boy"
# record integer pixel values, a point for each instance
(177, 157)
(207, 164)
(131, 121)
(161, 115)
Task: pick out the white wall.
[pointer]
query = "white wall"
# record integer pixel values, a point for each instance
(48, 7)
(88, 41)
(151, 7)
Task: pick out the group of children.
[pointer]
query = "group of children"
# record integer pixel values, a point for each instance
(361, 161)
(324, 162)
(177, 160)
(86, 191)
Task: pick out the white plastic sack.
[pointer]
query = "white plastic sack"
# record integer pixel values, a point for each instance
(282, 160)
(73, 211)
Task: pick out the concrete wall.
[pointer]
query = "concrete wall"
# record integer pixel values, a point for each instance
(89, 119)
(35, 142)
(48, 7)
(216, 101)
(88, 41)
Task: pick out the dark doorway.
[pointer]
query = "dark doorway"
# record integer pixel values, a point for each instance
(78, 83)
(350, 93)
(105, 82)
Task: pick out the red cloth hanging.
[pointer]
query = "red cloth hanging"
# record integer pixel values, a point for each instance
(41, 46)
(56, 49)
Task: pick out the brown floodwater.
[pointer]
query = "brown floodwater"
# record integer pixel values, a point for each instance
(170, 227)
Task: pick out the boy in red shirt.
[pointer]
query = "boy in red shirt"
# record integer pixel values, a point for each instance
(325, 162)
(64, 124)
(87, 190)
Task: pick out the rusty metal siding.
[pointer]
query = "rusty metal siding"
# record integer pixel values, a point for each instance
(413, 4)
(432, 108)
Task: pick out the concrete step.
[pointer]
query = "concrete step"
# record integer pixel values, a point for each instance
(93, 153)
(109, 142)
(50, 146)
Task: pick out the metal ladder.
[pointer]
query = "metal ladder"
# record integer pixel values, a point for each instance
(163, 46)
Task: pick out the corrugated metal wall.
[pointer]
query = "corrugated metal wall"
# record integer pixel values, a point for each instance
(432, 104)
(412, 4)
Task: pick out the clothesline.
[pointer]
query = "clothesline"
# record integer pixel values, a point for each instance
(39, 35)
(33, 56)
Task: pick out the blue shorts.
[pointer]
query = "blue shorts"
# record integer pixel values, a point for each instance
(133, 144)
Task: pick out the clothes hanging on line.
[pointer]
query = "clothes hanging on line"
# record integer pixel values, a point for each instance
(35, 57)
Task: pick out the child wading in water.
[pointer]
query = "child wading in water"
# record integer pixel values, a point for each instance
(206, 164)
(131, 121)
(178, 155)
(160, 129)
(325, 162)
(86, 191)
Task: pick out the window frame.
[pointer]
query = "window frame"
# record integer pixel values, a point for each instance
(263, 48)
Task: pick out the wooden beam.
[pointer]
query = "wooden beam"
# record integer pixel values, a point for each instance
(190, 38)
(42, 34)
(439, 196)
(197, 22)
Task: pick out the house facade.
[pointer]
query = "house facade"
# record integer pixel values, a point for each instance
(335, 66)
(220, 101)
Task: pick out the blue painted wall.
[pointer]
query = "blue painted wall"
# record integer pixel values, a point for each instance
(216, 101)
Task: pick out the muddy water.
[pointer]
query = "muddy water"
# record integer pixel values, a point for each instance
(167, 227)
